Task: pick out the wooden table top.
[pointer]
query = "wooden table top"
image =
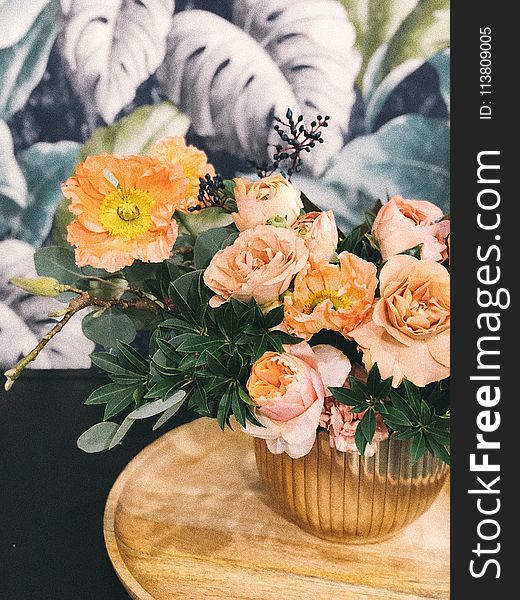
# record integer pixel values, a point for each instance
(188, 519)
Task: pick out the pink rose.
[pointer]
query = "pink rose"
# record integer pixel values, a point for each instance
(320, 233)
(261, 200)
(260, 264)
(341, 424)
(288, 391)
(403, 224)
(408, 332)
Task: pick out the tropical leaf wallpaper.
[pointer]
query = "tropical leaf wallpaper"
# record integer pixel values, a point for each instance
(81, 77)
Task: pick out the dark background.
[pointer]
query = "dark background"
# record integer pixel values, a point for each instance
(52, 495)
(469, 136)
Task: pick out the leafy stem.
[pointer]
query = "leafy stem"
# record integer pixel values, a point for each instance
(81, 301)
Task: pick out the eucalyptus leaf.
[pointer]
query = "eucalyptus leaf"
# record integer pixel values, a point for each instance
(109, 328)
(122, 430)
(167, 415)
(151, 409)
(98, 437)
(58, 262)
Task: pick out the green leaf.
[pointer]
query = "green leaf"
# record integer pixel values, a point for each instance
(360, 439)
(135, 133)
(208, 243)
(106, 393)
(244, 396)
(28, 34)
(208, 218)
(178, 325)
(418, 447)
(150, 409)
(274, 317)
(368, 425)
(224, 407)
(413, 393)
(395, 416)
(346, 396)
(198, 343)
(98, 437)
(383, 389)
(409, 156)
(373, 380)
(439, 450)
(358, 387)
(118, 403)
(132, 359)
(239, 409)
(57, 262)
(109, 362)
(109, 328)
(161, 389)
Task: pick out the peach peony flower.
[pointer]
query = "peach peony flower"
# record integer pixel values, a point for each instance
(123, 209)
(408, 332)
(341, 424)
(289, 392)
(320, 233)
(194, 164)
(327, 296)
(260, 264)
(261, 200)
(402, 224)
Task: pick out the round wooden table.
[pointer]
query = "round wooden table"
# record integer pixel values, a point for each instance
(188, 519)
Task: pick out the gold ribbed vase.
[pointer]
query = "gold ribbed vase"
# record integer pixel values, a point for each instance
(349, 498)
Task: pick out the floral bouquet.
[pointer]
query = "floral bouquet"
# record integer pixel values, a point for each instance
(257, 306)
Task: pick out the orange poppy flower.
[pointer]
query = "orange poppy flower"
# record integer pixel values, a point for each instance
(123, 208)
(194, 164)
(330, 296)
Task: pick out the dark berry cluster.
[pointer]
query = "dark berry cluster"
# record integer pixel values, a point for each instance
(212, 192)
(296, 139)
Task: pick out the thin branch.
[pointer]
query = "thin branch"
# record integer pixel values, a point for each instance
(84, 300)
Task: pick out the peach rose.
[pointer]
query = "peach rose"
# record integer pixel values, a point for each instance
(320, 233)
(408, 332)
(288, 391)
(260, 264)
(261, 200)
(341, 424)
(402, 224)
(327, 296)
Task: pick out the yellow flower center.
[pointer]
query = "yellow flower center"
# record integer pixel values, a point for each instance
(318, 297)
(126, 212)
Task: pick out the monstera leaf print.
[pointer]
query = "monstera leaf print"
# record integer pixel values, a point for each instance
(232, 79)
(24, 321)
(112, 46)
